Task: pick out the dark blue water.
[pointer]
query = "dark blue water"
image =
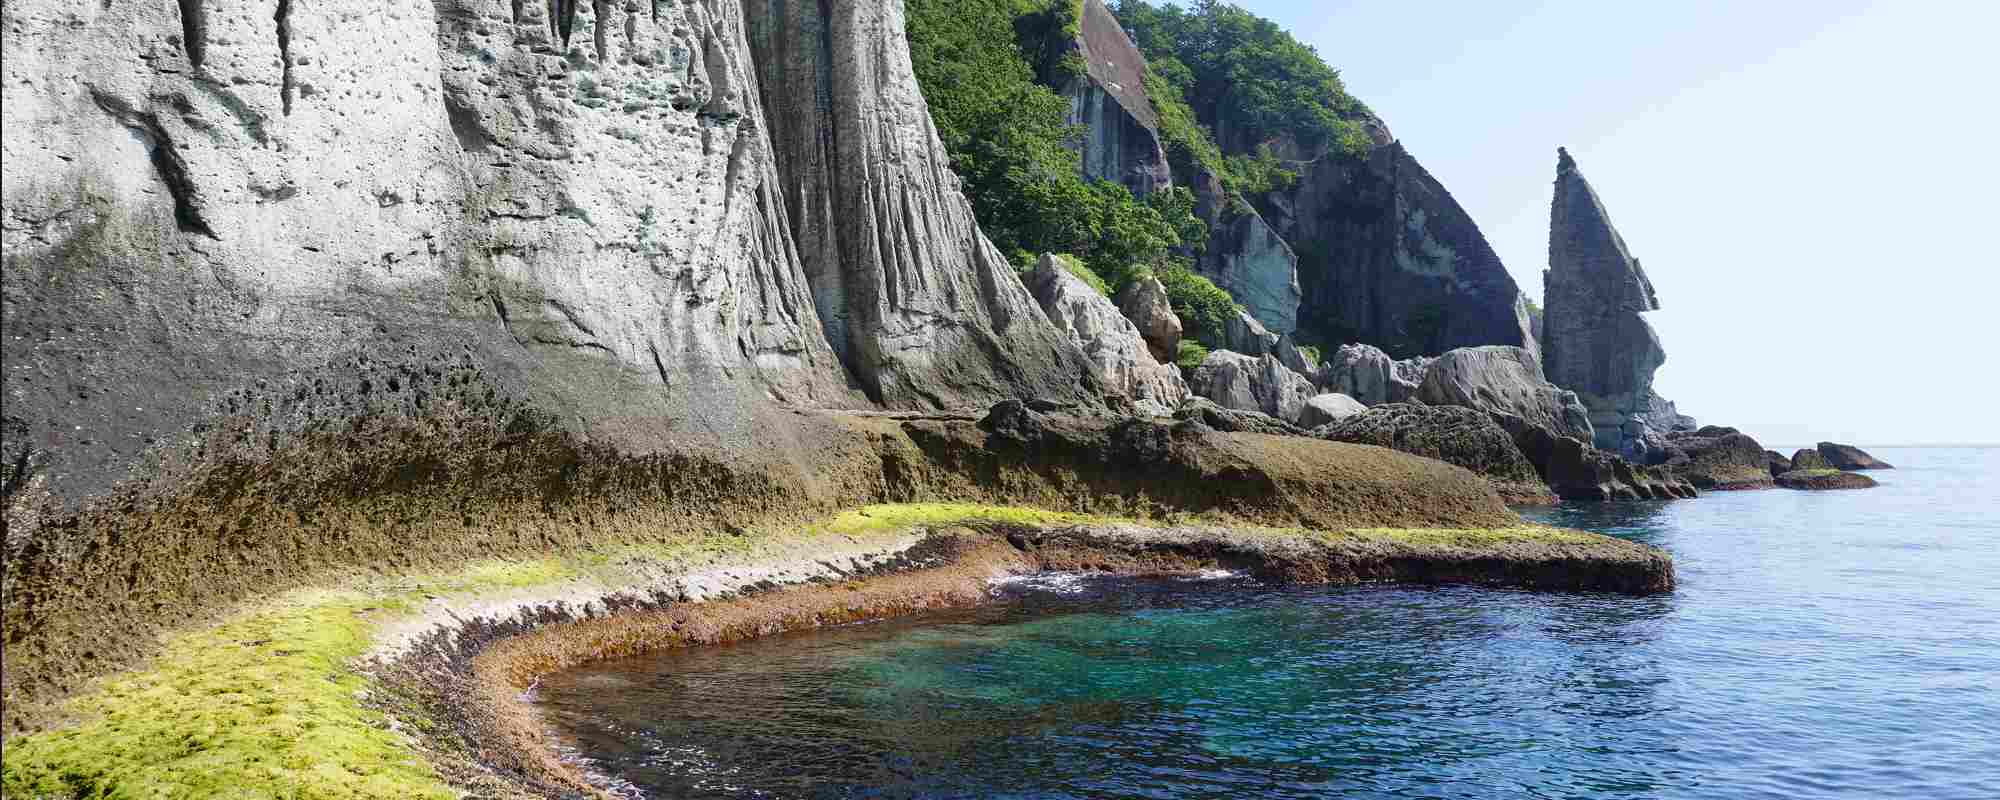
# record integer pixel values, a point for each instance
(1842, 644)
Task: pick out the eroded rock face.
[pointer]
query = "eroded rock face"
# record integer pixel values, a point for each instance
(1506, 381)
(1144, 302)
(1595, 341)
(1779, 463)
(1716, 457)
(1247, 383)
(1454, 435)
(1809, 459)
(1243, 333)
(1844, 456)
(1388, 257)
(1113, 345)
(1121, 141)
(1824, 480)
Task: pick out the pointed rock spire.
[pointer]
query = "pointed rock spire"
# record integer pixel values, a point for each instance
(1594, 341)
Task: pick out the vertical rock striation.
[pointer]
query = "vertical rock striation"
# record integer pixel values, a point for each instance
(1114, 345)
(1595, 341)
(921, 307)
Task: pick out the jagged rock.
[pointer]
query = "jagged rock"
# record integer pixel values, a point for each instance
(1716, 458)
(1246, 383)
(1779, 463)
(1322, 409)
(1367, 374)
(1242, 333)
(1145, 303)
(1820, 480)
(1454, 435)
(1843, 456)
(923, 310)
(1121, 141)
(1111, 342)
(1386, 256)
(1807, 460)
(1595, 341)
(1230, 420)
(1505, 381)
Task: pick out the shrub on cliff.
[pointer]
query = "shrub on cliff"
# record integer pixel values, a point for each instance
(1202, 306)
(978, 62)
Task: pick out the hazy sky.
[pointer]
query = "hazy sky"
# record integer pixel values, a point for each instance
(1810, 184)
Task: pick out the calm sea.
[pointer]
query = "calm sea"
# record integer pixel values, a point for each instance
(1820, 645)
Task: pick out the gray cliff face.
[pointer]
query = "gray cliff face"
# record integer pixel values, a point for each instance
(922, 308)
(1387, 256)
(1121, 140)
(1124, 364)
(1247, 257)
(1595, 341)
(652, 225)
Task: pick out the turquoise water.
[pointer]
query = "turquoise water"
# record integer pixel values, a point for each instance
(1820, 645)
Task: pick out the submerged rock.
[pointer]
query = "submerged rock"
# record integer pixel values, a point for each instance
(1454, 435)
(1824, 480)
(1843, 456)
(1123, 362)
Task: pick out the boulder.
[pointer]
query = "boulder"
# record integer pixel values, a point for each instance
(1779, 463)
(1242, 333)
(1574, 470)
(1594, 339)
(1123, 364)
(1144, 302)
(1503, 381)
(1843, 456)
(1369, 375)
(1330, 407)
(1717, 458)
(1820, 480)
(1809, 459)
(1246, 383)
(1454, 435)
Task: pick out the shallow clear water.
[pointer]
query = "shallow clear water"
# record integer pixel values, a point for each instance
(1840, 644)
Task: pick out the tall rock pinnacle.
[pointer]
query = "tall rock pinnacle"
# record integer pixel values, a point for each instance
(1594, 341)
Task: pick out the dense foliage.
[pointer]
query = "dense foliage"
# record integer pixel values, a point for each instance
(1203, 307)
(978, 63)
(1248, 78)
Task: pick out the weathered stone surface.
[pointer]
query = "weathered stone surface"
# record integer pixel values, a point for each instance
(1369, 375)
(1387, 257)
(1716, 458)
(1844, 456)
(1462, 436)
(1576, 471)
(1247, 383)
(1230, 420)
(1779, 463)
(1503, 381)
(1242, 333)
(1595, 341)
(1820, 480)
(1145, 303)
(1809, 459)
(1113, 345)
(1246, 257)
(921, 307)
(1121, 141)
(1322, 409)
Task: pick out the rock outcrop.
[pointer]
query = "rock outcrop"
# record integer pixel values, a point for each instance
(1123, 364)
(1252, 383)
(1454, 435)
(1387, 257)
(1594, 340)
(1331, 407)
(1369, 375)
(1146, 304)
(1808, 459)
(1715, 457)
(1779, 463)
(1121, 141)
(1504, 381)
(1821, 480)
(1843, 456)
